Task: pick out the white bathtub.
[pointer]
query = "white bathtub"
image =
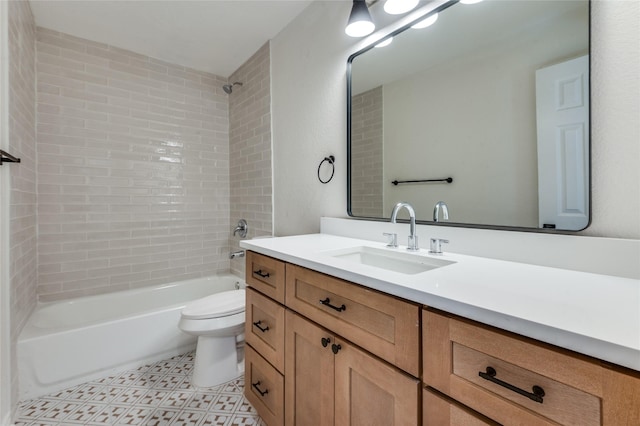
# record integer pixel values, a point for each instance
(70, 342)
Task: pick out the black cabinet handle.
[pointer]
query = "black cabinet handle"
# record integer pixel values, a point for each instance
(261, 274)
(257, 324)
(335, 348)
(325, 341)
(262, 393)
(327, 302)
(490, 375)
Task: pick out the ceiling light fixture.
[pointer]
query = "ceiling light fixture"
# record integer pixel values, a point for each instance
(470, 1)
(397, 7)
(385, 42)
(360, 23)
(426, 22)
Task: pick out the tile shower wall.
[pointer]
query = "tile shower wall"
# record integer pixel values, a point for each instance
(250, 149)
(366, 145)
(22, 144)
(133, 169)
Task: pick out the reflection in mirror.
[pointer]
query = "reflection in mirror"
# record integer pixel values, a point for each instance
(494, 95)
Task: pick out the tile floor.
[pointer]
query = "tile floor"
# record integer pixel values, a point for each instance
(153, 395)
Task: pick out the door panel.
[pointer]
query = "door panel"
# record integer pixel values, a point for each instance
(309, 373)
(562, 108)
(370, 392)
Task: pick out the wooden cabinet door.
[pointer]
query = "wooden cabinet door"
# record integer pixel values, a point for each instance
(369, 392)
(264, 388)
(384, 325)
(265, 274)
(309, 373)
(439, 411)
(264, 328)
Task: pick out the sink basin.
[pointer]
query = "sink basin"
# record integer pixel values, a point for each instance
(389, 259)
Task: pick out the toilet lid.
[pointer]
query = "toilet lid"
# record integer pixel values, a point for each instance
(217, 305)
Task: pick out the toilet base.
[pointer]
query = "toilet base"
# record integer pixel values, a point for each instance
(216, 361)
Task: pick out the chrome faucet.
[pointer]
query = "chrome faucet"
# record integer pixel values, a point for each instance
(242, 227)
(436, 211)
(413, 238)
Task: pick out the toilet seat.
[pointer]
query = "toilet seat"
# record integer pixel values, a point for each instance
(217, 305)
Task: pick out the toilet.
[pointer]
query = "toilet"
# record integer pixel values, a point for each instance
(218, 322)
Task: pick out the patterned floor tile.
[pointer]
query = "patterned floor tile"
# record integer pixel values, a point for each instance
(154, 395)
(215, 419)
(135, 416)
(83, 414)
(128, 396)
(200, 401)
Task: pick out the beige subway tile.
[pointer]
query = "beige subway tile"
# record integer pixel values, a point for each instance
(108, 271)
(120, 278)
(79, 94)
(58, 61)
(107, 53)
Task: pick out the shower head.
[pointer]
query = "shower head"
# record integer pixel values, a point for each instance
(228, 88)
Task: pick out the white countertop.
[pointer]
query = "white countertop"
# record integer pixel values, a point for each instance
(597, 315)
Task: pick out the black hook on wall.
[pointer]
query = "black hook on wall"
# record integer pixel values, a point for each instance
(331, 160)
(5, 157)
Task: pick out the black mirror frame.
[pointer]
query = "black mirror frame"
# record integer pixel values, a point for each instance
(458, 224)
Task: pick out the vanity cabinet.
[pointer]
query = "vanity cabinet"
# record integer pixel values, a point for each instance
(330, 381)
(516, 380)
(324, 351)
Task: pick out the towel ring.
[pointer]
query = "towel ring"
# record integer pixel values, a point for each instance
(331, 160)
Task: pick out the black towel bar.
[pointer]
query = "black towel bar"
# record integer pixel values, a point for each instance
(448, 180)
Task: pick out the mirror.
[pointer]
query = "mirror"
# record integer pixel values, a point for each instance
(493, 95)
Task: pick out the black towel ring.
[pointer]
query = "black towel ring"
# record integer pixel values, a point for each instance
(331, 159)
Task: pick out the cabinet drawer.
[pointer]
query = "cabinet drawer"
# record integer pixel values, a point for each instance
(264, 328)
(513, 380)
(264, 388)
(438, 410)
(383, 325)
(266, 275)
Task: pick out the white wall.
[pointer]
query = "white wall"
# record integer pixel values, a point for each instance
(308, 81)
(615, 118)
(309, 117)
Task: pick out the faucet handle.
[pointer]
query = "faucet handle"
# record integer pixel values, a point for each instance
(393, 239)
(435, 245)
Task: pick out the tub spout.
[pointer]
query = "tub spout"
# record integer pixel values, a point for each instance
(234, 254)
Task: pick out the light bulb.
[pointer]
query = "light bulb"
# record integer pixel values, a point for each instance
(360, 23)
(397, 7)
(426, 22)
(385, 43)
(359, 29)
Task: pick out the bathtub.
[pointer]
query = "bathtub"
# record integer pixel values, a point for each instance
(69, 342)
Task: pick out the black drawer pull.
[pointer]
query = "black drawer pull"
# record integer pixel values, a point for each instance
(490, 375)
(262, 393)
(327, 302)
(325, 341)
(261, 274)
(335, 348)
(257, 324)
